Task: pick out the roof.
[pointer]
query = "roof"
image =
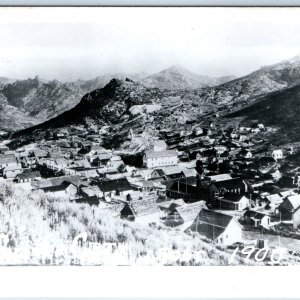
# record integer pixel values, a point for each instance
(121, 184)
(211, 223)
(143, 207)
(7, 158)
(229, 184)
(40, 153)
(27, 175)
(169, 204)
(74, 179)
(165, 153)
(294, 200)
(233, 197)
(274, 198)
(55, 188)
(220, 177)
(189, 212)
(254, 214)
(160, 172)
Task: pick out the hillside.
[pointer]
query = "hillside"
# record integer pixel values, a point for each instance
(279, 109)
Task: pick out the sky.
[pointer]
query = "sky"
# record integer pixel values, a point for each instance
(81, 43)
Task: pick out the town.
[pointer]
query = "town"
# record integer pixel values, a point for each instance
(222, 183)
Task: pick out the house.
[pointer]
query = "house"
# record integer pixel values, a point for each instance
(183, 214)
(256, 218)
(8, 160)
(28, 176)
(288, 207)
(117, 187)
(90, 191)
(185, 189)
(170, 172)
(246, 153)
(296, 218)
(92, 200)
(218, 227)
(143, 211)
(233, 201)
(39, 153)
(12, 170)
(277, 154)
(154, 159)
(233, 186)
(64, 190)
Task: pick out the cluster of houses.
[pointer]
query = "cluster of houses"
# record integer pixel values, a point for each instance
(213, 181)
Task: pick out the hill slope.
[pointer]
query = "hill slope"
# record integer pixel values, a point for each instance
(279, 109)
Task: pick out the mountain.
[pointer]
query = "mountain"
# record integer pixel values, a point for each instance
(24, 103)
(244, 90)
(111, 106)
(177, 77)
(280, 110)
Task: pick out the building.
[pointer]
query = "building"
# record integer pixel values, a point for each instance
(296, 218)
(144, 211)
(28, 176)
(218, 227)
(7, 160)
(64, 190)
(256, 218)
(12, 170)
(288, 207)
(231, 201)
(183, 214)
(153, 159)
(118, 187)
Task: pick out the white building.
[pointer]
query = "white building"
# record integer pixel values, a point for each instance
(153, 159)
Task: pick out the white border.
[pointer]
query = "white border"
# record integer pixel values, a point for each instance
(150, 282)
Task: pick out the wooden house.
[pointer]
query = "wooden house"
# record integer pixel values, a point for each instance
(28, 176)
(154, 159)
(64, 190)
(118, 187)
(256, 218)
(183, 214)
(218, 227)
(143, 211)
(288, 207)
(231, 201)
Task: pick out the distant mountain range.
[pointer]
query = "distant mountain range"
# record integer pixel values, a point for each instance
(177, 77)
(26, 103)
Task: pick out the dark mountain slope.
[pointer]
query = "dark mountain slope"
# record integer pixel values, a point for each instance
(278, 109)
(100, 107)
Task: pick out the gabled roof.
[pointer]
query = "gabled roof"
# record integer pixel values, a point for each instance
(156, 154)
(255, 214)
(233, 197)
(294, 200)
(189, 212)
(211, 223)
(121, 185)
(143, 207)
(230, 183)
(56, 188)
(28, 175)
